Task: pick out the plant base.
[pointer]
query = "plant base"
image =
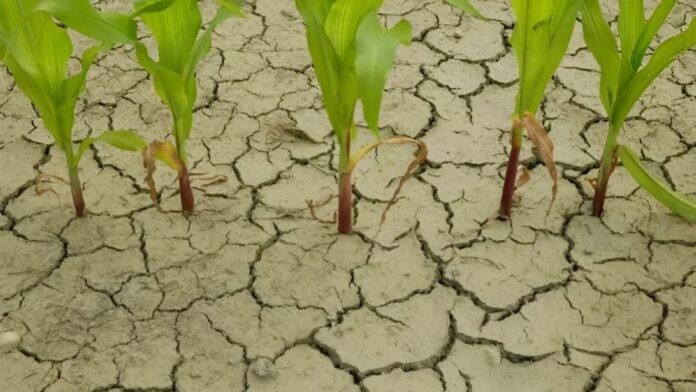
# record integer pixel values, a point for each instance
(345, 204)
(600, 196)
(510, 182)
(76, 190)
(185, 192)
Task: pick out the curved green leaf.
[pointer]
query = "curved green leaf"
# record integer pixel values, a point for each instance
(146, 6)
(81, 16)
(123, 140)
(36, 52)
(376, 49)
(601, 42)
(314, 13)
(203, 45)
(663, 56)
(631, 25)
(175, 30)
(657, 19)
(171, 88)
(342, 22)
(675, 201)
(540, 40)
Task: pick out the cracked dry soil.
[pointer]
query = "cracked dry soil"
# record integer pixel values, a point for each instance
(254, 294)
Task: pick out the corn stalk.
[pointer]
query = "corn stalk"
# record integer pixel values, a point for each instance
(176, 28)
(37, 52)
(353, 55)
(624, 79)
(540, 40)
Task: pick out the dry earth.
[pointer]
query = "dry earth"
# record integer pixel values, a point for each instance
(253, 294)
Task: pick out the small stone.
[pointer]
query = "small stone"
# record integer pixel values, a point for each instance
(264, 368)
(9, 341)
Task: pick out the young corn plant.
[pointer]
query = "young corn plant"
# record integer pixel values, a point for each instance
(175, 26)
(624, 79)
(180, 47)
(37, 52)
(540, 40)
(353, 55)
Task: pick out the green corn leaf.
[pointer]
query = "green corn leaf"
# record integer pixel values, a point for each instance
(314, 14)
(81, 16)
(147, 6)
(234, 7)
(75, 85)
(664, 55)
(657, 19)
(37, 53)
(466, 6)
(175, 30)
(677, 202)
(42, 49)
(342, 22)
(540, 39)
(171, 88)
(376, 49)
(123, 140)
(349, 92)
(631, 25)
(203, 45)
(600, 40)
(39, 97)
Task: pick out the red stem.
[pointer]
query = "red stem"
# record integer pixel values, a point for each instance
(187, 202)
(76, 190)
(510, 177)
(600, 195)
(345, 204)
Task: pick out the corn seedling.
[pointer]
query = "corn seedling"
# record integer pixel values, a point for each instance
(624, 79)
(353, 55)
(181, 47)
(37, 52)
(175, 26)
(540, 40)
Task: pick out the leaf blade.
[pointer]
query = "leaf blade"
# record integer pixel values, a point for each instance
(662, 58)
(376, 50)
(675, 201)
(81, 16)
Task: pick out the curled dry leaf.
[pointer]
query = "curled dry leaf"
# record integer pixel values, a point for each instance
(523, 178)
(540, 138)
(164, 152)
(44, 178)
(418, 160)
(593, 183)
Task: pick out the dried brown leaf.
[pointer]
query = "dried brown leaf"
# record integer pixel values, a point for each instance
(418, 160)
(164, 152)
(44, 178)
(523, 178)
(540, 138)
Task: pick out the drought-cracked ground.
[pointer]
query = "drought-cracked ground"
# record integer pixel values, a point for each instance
(253, 293)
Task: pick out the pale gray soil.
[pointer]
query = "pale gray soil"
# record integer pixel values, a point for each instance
(253, 294)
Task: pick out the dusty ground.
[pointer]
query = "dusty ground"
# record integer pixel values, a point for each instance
(253, 294)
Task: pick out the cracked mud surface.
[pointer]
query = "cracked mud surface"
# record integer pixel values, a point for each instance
(254, 294)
